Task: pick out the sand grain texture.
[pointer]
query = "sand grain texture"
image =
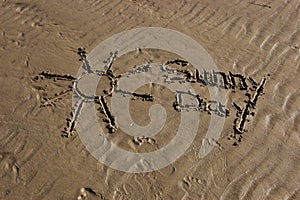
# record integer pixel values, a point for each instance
(253, 39)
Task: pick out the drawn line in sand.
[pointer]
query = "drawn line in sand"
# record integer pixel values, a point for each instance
(261, 5)
(122, 89)
(242, 114)
(117, 114)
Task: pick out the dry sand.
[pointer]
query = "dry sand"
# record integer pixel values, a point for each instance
(252, 39)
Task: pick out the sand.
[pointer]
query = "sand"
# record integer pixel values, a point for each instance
(260, 40)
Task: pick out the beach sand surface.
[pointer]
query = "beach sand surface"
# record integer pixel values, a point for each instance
(258, 40)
